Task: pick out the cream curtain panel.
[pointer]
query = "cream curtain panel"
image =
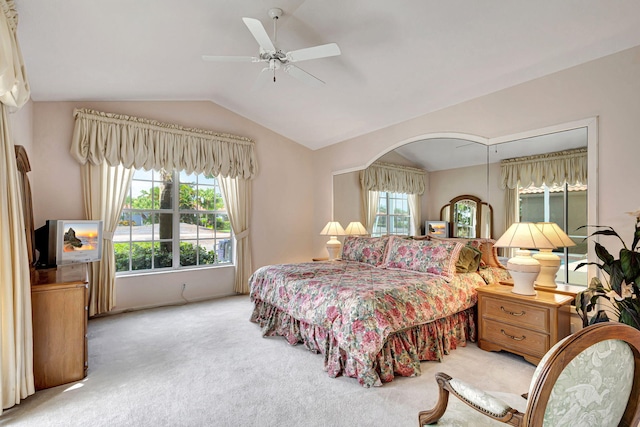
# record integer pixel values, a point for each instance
(104, 189)
(14, 86)
(416, 214)
(393, 179)
(237, 195)
(16, 337)
(370, 200)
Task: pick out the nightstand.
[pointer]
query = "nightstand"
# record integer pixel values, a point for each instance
(521, 324)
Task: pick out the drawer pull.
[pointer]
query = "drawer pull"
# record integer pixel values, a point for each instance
(522, 313)
(511, 336)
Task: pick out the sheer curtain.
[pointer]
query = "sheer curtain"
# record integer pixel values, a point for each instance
(393, 179)
(16, 337)
(237, 195)
(370, 200)
(127, 142)
(556, 168)
(416, 213)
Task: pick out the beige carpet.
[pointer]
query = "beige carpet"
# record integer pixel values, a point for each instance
(205, 364)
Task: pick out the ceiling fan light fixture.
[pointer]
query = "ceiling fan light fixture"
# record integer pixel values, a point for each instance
(275, 58)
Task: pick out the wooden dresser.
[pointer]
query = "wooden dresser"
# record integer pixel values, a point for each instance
(521, 324)
(59, 299)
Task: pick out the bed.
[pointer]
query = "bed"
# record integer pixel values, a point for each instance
(389, 304)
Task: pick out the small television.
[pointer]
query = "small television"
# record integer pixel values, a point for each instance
(68, 241)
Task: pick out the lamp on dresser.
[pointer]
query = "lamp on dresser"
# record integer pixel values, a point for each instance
(550, 262)
(333, 229)
(523, 267)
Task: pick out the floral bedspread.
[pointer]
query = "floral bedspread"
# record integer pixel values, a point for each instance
(359, 305)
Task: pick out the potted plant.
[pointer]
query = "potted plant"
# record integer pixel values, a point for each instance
(622, 279)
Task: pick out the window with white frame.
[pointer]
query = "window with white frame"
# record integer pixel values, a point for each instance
(566, 205)
(393, 216)
(172, 220)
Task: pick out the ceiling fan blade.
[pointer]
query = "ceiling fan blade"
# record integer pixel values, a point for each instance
(302, 75)
(264, 76)
(321, 51)
(230, 58)
(260, 34)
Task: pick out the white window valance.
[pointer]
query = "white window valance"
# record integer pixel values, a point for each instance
(393, 178)
(568, 166)
(142, 143)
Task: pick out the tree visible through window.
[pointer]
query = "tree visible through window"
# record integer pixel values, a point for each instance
(161, 205)
(393, 215)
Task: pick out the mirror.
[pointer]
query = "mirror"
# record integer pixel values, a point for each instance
(450, 174)
(441, 157)
(568, 206)
(468, 217)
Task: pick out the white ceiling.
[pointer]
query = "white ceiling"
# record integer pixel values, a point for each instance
(399, 59)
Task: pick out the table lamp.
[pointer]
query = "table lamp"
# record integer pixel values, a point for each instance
(355, 229)
(333, 229)
(550, 262)
(523, 268)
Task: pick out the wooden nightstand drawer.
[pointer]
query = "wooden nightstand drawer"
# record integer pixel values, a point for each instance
(515, 339)
(515, 313)
(527, 325)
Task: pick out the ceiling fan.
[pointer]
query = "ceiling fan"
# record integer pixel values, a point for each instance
(275, 58)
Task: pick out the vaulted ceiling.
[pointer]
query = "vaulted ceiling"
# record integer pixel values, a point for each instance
(399, 59)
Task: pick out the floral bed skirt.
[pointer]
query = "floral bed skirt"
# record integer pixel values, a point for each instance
(400, 355)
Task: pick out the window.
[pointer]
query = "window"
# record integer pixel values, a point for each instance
(161, 205)
(566, 205)
(393, 215)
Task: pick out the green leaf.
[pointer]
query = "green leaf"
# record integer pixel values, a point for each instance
(616, 276)
(582, 264)
(630, 264)
(636, 237)
(630, 317)
(603, 254)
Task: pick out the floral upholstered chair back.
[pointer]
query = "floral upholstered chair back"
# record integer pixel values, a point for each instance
(590, 378)
(593, 389)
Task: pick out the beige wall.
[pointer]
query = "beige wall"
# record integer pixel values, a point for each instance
(282, 209)
(607, 88)
(21, 126)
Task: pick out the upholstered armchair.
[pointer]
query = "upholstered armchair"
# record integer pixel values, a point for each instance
(591, 378)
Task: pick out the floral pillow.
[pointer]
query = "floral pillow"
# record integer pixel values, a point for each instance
(369, 250)
(425, 256)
